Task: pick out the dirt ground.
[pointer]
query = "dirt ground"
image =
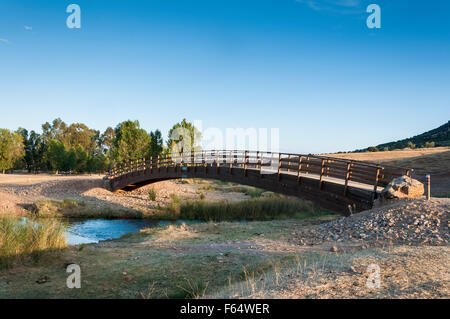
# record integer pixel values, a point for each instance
(19, 190)
(236, 260)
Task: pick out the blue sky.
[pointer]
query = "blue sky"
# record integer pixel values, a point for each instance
(310, 68)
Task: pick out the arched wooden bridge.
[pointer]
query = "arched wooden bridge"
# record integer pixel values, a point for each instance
(345, 186)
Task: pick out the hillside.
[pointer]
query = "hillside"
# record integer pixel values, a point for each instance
(440, 136)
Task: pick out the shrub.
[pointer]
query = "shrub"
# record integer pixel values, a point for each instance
(152, 194)
(430, 144)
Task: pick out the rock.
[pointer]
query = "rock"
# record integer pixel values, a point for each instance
(334, 249)
(402, 187)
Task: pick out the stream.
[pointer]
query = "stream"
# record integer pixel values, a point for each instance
(87, 231)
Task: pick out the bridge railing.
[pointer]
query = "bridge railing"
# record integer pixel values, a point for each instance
(301, 165)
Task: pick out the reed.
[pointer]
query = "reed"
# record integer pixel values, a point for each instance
(22, 240)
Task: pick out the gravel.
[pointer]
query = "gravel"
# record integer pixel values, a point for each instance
(404, 221)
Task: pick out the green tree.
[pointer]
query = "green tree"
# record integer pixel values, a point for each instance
(11, 149)
(156, 143)
(56, 156)
(54, 131)
(79, 134)
(34, 150)
(183, 136)
(97, 163)
(130, 142)
(81, 159)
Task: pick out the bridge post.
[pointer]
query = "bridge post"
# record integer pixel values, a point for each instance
(257, 159)
(347, 177)
(261, 164)
(245, 162)
(218, 162)
(231, 162)
(167, 159)
(299, 172)
(289, 163)
(321, 173)
(279, 166)
(157, 163)
(151, 164)
(376, 181)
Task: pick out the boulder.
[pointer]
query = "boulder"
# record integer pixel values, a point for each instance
(402, 187)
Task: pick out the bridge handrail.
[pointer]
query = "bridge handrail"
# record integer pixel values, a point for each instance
(301, 164)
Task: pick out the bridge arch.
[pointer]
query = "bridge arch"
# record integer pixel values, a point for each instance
(344, 186)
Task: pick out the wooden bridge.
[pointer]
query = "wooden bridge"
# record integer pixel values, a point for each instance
(345, 186)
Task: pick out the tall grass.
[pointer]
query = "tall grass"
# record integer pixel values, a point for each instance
(251, 209)
(24, 239)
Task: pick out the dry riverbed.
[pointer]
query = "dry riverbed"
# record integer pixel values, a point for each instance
(19, 192)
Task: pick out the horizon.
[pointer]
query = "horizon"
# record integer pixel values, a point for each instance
(310, 68)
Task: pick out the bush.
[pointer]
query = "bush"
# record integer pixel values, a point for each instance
(372, 149)
(430, 144)
(152, 194)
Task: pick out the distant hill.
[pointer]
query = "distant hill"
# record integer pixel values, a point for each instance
(437, 137)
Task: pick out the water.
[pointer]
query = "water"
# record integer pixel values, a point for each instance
(89, 231)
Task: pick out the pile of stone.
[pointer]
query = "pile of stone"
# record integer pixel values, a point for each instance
(407, 221)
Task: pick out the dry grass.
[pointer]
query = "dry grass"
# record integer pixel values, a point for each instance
(405, 272)
(431, 160)
(22, 239)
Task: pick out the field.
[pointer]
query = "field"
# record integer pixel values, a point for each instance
(234, 260)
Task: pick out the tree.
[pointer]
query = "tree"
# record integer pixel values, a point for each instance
(107, 139)
(81, 159)
(372, 149)
(54, 131)
(56, 155)
(11, 149)
(183, 137)
(130, 142)
(156, 143)
(34, 150)
(79, 134)
(411, 145)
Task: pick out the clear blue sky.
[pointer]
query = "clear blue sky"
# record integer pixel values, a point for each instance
(311, 68)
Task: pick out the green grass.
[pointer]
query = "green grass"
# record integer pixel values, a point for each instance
(252, 209)
(228, 187)
(22, 240)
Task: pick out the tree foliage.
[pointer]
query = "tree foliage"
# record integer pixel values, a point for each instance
(11, 149)
(183, 137)
(130, 142)
(76, 148)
